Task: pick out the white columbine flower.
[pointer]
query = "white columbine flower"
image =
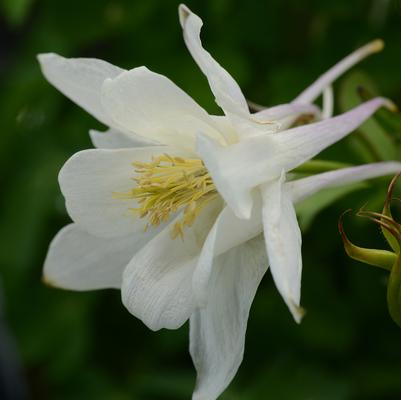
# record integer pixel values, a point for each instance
(206, 187)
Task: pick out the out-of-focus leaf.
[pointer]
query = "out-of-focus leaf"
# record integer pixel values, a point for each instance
(309, 208)
(318, 166)
(390, 121)
(371, 141)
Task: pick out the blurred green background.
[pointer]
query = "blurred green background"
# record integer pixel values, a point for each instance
(86, 345)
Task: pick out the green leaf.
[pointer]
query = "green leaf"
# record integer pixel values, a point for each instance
(309, 208)
(390, 121)
(319, 166)
(371, 141)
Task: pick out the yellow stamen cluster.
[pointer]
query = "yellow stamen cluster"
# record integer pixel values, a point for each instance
(169, 184)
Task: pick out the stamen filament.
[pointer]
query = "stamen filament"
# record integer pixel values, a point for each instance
(167, 185)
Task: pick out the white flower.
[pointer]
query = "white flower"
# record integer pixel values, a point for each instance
(217, 181)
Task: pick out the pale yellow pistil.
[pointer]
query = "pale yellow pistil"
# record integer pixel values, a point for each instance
(168, 185)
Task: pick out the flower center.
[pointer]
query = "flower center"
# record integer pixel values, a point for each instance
(170, 184)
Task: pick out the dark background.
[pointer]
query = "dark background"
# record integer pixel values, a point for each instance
(86, 345)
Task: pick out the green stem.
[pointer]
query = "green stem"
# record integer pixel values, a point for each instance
(318, 166)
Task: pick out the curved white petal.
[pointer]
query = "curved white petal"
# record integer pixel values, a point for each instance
(313, 91)
(77, 260)
(217, 331)
(114, 139)
(152, 106)
(283, 243)
(225, 171)
(80, 79)
(287, 110)
(227, 232)
(224, 126)
(286, 114)
(230, 231)
(90, 180)
(300, 189)
(297, 145)
(239, 168)
(328, 102)
(157, 283)
(227, 92)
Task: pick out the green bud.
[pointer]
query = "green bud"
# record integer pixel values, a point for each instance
(391, 240)
(389, 260)
(378, 258)
(394, 292)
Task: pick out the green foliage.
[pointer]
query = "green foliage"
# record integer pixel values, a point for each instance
(308, 209)
(372, 140)
(85, 345)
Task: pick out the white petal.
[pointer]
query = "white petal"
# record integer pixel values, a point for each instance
(312, 92)
(287, 110)
(227, 92)
(80, 79)
(157, 283)
(225, 171)
(283, 243)
(114, 139)
(297, 145)
(217, 331)
(238, 168)
(328, 102)
(286, 114)
(224, 126)
(302, 188)
(79, 261)
(90, 180)
(150, 105)
(228, 232)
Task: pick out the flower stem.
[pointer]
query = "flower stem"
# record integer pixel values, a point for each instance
(318, 166)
